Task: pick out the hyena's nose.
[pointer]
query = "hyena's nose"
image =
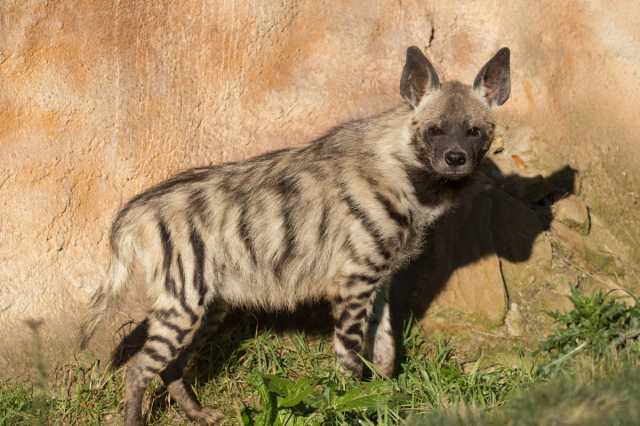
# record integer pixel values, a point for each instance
(455, 158)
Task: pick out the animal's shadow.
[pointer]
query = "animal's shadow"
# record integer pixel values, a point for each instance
(505, 219)
(498, 220)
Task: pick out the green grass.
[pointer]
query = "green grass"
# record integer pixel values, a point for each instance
(590, 392)
(586, 372)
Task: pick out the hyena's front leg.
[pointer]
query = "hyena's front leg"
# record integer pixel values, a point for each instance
(352, 310)
(380, 334)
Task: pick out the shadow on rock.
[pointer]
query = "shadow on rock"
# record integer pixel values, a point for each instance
(459, 272)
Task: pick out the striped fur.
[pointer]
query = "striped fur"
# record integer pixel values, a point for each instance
(333, 219)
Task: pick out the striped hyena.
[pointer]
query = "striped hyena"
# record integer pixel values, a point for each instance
(333, 219)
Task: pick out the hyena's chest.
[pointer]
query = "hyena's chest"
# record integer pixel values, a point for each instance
(426, 217)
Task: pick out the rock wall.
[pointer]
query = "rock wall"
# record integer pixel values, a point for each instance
(100, 99)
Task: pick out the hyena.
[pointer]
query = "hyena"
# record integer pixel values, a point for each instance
(333, 219)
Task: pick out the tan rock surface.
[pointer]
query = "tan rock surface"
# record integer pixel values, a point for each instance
(572, 211)
(99, 100)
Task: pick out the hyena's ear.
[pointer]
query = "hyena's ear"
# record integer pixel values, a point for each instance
(494, 79)
(418, 77)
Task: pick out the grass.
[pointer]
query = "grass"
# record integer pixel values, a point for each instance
(585, 373)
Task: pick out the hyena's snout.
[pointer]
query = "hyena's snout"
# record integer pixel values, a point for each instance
(458, 154)
(455, 158)
(455, 161)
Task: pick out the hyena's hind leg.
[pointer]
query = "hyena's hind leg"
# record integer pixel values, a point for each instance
(173, 375)
(165, 352)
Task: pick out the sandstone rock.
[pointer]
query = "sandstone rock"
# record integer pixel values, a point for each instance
(586, 252)
(521, 142)
(513, 152)
(476, 290)
(551, 301)
(600, 232)
(572, 211)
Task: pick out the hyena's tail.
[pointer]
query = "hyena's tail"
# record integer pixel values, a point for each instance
(105, 294)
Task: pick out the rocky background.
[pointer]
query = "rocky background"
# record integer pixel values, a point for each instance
(100, 99)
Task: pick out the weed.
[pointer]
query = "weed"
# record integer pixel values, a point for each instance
(598, 324)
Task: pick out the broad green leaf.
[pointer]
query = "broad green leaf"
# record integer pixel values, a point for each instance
(278, 385)
(366, 396)
(302, 389)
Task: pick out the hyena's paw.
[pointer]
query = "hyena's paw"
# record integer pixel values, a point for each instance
(385, 367)
(385, 361)
(351, 365)
(206, 416)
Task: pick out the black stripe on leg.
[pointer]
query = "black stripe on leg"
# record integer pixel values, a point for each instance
(357, 311)
(344, 316)
(166, 313)
(350, 343)
(152, 369)
(168, 343)
(355, 278)
(180, 333)
(155, 355)
(365, 294)
(352, 306)
(354, 329)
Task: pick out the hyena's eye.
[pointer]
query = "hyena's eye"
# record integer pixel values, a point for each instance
(473, 132)
(435, 131)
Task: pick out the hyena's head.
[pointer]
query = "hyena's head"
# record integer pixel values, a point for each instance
(452, 125)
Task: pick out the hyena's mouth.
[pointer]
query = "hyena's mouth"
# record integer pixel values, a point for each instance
(455, 177)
